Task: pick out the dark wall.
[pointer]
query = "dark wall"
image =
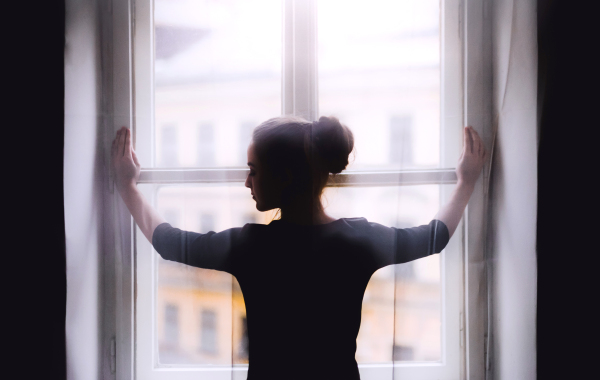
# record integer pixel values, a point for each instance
(568, 194)
(34, 237)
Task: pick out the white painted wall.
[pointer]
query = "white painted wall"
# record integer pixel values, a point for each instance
(83, 181)
(514, 190)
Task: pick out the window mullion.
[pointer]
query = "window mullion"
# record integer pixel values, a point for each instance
(299, 89)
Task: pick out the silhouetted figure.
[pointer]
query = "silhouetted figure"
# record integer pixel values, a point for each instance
(306, 326)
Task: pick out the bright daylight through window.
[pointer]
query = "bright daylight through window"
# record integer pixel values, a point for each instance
(216, 69)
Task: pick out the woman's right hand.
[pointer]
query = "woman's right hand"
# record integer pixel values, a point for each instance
(124, 160)
(127, 172)
(471, 159)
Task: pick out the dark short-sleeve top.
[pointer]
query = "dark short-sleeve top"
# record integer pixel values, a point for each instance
(303, 286)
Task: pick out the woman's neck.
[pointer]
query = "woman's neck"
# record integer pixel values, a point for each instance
(302, 213)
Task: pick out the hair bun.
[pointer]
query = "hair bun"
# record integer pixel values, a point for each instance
(334, 142)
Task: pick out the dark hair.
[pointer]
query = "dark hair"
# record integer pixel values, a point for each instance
(309, 151)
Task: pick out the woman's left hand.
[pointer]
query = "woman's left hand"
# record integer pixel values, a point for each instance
(472, 158)
(124, 160)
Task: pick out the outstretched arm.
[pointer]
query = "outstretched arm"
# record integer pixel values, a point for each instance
(468, 170)
(127, 171)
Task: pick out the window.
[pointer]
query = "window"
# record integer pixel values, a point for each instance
(206, 145)
(401, 141)
(208, 331)
(243, 349)
(403, 353)
(207, 223)
(171, 327)
(169, 147)
(171, 215)
(249, 218)
(245, 131)
(397, 79)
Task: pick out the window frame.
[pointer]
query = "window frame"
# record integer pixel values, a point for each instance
(131, 104)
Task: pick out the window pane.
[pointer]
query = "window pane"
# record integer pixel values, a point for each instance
(171, 334)
(402, 323)
(201, 317)
(197, 306)
(379, 72)
(208, 332)
(217, 72)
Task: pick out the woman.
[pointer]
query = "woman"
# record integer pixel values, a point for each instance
(306, 326)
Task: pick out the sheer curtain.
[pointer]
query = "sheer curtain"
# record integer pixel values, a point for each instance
(513, 191)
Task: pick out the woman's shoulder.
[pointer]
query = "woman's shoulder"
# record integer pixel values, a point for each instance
(277, 223)
(352, 222)
(362, 223)
(355, 220)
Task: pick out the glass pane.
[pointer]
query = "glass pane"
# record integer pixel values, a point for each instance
(405, 326)
(379, 72)
(201, 317)
(217, 75)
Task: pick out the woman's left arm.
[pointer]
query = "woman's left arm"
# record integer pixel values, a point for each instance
(127, 171)
(468, 170)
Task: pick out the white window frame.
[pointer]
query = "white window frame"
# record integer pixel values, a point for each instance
(465, 24)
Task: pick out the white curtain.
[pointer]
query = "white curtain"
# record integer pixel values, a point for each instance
(514, 191)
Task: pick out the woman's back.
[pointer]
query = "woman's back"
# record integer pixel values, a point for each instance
(303, 285)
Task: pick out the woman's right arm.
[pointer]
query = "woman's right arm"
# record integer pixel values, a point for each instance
(127, 171)
(468, 170)
(211, 250)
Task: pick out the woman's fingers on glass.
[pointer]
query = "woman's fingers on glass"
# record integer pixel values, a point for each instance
(479, 143)
(122, 138)
(125, 141)
(127, 151)
(117, 144)
(134, 156)
(471, 139)
(466, 142)
(120, 142)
